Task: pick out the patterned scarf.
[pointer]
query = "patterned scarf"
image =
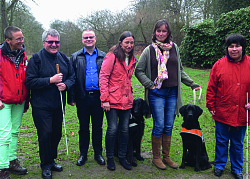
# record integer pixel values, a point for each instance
(162, 61)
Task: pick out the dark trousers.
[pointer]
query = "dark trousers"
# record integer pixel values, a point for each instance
(113, 125)
(90, 106)
(49, 130)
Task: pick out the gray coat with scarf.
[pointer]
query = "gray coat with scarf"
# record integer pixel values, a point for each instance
(143, 74)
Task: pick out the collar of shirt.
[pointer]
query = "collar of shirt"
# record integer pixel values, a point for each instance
(87, 53)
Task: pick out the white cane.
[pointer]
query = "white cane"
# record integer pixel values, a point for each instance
(58, 71)
(247, 143)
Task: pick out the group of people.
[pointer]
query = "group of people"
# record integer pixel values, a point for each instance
(97, 82)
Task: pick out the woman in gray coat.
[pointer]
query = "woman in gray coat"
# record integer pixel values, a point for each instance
(160, 71)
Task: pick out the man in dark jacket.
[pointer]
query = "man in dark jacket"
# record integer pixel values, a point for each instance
(46, 85)
(13, 94)
(86, 95)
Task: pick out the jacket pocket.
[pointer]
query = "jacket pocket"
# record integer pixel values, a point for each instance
(114, 95)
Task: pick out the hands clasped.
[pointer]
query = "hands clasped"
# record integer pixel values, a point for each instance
(61, 86)
(57, 79)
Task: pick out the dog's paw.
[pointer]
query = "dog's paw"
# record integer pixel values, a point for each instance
(182, 167)
(140, 158)
(196, 169)
(206, 167)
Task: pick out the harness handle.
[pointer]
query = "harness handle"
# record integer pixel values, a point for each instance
(194, 94)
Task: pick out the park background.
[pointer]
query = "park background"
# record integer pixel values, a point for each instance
(199, 27)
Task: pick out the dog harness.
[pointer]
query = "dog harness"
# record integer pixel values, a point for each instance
(194, 132)
(194, 94)
(132, 124)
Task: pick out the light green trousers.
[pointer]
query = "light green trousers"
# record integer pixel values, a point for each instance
(10, 121)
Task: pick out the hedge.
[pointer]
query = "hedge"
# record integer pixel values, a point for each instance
(204, 42)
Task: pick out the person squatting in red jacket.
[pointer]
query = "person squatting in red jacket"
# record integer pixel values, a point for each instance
(229, 82)
(116, 96)
(13, 94)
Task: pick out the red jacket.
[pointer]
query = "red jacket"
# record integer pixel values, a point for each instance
(12, 82)
(115, 82)
(226, 92)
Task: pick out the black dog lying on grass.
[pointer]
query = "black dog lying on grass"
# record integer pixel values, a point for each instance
(194, 149)
(136, 131)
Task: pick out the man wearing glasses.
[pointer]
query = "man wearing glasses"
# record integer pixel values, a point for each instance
(13, 99)
(85, 95)
(46, 85)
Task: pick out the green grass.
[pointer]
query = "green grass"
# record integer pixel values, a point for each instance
(28, 151)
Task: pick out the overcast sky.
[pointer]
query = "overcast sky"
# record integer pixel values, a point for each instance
(48, 10)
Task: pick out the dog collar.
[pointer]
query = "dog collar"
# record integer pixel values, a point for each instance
(194, 132)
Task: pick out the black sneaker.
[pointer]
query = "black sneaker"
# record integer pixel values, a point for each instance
(238, 175)
(16, 168)
(217, 172)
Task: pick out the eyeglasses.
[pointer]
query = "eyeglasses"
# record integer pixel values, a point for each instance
(90, 37)
(50, 42)
(19, 39)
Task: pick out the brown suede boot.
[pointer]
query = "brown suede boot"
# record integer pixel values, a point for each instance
(156, 148)
(4, 173)
(166, 142)
(16, 168)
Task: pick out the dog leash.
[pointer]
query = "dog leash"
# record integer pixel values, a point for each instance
(194, 94)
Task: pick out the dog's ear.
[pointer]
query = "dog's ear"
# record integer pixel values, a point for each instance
(199, 110)
(182, 110)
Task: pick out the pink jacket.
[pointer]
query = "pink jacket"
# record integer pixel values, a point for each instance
(226, 92)
(115, 82)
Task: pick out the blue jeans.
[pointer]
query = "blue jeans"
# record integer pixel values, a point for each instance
(163, 105)
(224, 133)
(112, 119)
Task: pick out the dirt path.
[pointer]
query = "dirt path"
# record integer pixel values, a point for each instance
(144, 170)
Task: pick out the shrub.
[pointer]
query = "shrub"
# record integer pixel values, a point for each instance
(204, 42)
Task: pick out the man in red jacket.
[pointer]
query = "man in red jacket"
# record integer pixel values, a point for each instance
(13, 94)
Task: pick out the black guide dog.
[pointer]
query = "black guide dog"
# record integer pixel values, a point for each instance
(136, 131)
(194, 149)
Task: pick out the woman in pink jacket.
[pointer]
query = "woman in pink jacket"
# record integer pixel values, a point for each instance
(226, 100)
(116, 96)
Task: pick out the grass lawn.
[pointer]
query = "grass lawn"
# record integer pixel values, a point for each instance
(28, 151)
